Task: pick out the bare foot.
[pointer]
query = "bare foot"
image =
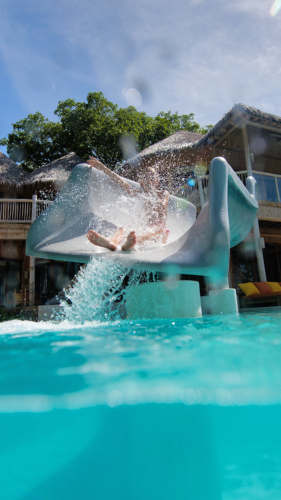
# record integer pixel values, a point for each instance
(118, 236)
(130, 241)
(100, 241)
(165, 236)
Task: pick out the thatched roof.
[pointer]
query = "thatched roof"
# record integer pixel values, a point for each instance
(182, 148)
(11, 175)
(159, 154)
(234, 117)
(176, 140)
(53, 175)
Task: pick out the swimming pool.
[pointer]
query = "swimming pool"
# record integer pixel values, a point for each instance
(146, 409)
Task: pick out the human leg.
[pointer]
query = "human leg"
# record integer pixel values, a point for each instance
(165, 236)
(118, 236)
(130, 241)
(154, 235)
(100, 241)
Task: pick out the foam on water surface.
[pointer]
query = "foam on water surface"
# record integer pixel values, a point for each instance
(224, 361)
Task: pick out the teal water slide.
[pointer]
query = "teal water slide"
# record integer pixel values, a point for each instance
(90, 200)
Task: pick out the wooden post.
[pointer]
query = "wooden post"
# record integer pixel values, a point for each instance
(32, 259)
(246, 150)
(257, 237)
(34, 202)
(201, 193)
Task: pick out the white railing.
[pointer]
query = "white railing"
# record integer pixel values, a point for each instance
(195, 194)
(268, 188)
(41, 205)
(243, 176)
(12, 210)
(269, 185)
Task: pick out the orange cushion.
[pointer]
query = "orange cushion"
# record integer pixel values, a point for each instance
(262, 286)
(248, 288)
(274, 286)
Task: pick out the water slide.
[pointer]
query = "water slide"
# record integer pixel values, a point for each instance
(91, 200)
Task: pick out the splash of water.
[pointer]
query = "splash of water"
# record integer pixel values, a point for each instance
(99, 292)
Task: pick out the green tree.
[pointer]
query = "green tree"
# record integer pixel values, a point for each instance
(32, 142)
(96, 127)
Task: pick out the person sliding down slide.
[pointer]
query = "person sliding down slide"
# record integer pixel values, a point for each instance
(155, 203)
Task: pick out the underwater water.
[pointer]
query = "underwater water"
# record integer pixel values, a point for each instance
(159, 409)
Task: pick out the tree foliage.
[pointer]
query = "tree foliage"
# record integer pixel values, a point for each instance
(96, 127)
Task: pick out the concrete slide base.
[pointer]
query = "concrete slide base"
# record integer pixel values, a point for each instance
(223, 301)
(176, 299)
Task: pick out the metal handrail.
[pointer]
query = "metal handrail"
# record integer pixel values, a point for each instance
(242, 174)
(258, 172)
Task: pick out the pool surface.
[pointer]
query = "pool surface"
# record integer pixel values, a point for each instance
(175, 409)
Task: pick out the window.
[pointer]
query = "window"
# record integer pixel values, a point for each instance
(243, 265)
(51, 277)
(272, 261)
(10, 280)
(279, 186)
(266, 187)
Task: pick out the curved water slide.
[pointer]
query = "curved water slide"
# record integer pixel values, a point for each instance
(91, 200)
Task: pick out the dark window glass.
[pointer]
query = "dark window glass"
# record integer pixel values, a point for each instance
(2, 280)
(10, 280)
(52, 277)
(244, 266)
(272, 261)
(266, 188)
(279, 186)
(14, 276)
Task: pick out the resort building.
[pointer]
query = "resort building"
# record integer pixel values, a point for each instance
(24, 280)
(250, 140)
(247, 138)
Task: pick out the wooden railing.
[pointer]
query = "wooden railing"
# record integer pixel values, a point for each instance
(41, 205)
(21, 211)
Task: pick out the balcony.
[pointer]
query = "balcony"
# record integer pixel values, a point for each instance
(21, 211)
(268, 194)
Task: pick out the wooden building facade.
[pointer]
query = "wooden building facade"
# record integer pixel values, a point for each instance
(24, 280)
(249, 139)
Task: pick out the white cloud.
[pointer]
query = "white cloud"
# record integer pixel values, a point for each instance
(184, 56)
(256, 7)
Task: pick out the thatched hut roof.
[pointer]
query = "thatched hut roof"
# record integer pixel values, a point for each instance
(176, 140)
(233, 119)
(183, 148)
(53, 175)
(11, 175)
(160, 154)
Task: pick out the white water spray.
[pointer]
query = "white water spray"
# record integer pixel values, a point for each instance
(99, 292)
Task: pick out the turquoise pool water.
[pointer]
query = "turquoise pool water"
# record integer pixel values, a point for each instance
(183, 409)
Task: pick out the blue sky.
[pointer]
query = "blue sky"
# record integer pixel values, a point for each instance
(197, 56)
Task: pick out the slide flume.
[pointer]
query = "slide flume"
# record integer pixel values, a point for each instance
(90, 200)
